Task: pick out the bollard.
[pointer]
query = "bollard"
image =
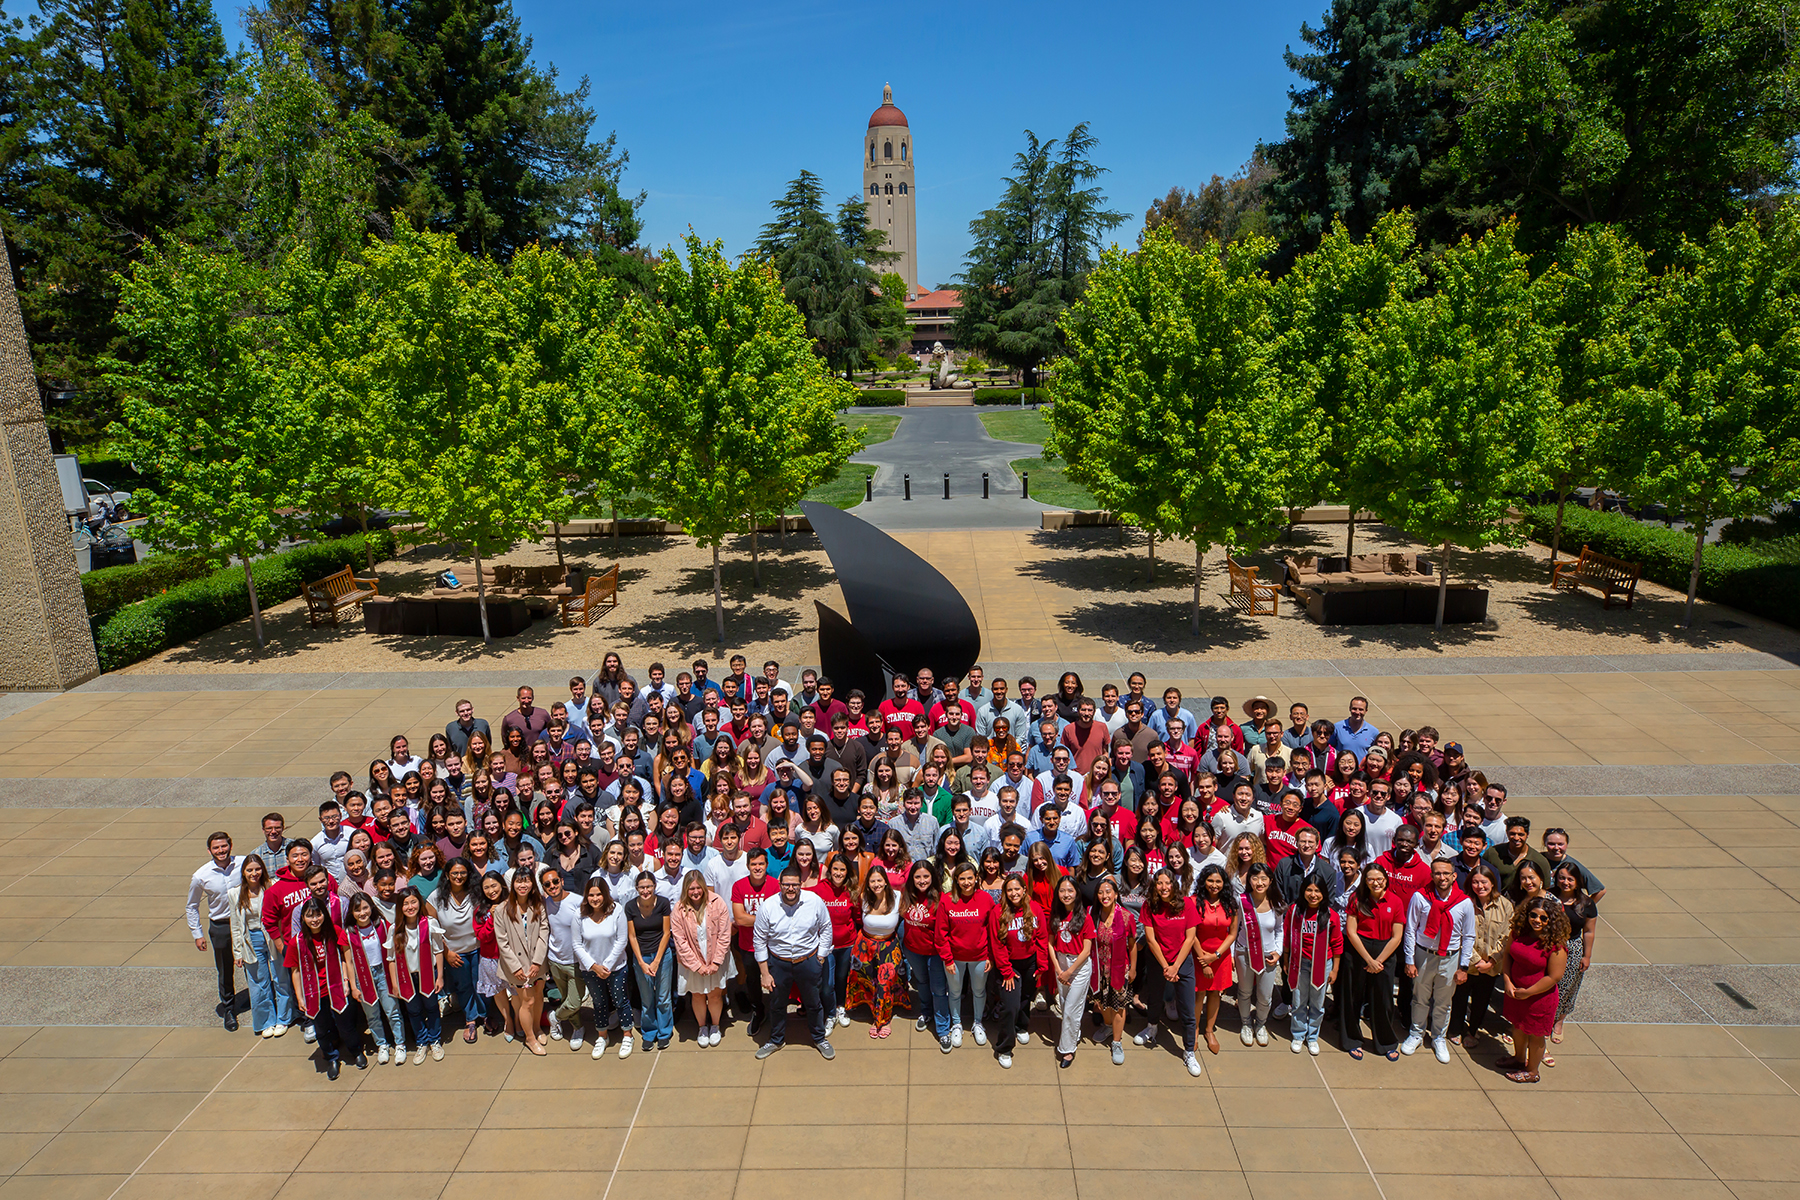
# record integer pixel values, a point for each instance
(946, 485)
(868, 487)
(906, 482)
(984, 485)
(1025, 485)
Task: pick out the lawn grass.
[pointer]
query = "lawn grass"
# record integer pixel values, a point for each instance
(874, 427)
(1049, 485)
(1025, 425)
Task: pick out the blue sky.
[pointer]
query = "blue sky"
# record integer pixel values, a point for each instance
(720, 105)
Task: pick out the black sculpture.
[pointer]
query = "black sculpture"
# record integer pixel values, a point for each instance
(903, 614)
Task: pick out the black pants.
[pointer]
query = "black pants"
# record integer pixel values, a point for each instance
(339, 1034)
(804, 975)
(1473, 1001)
(1357, 990)
(224, 962)
(1158, 997)
(1014, 1002)
(748, 974)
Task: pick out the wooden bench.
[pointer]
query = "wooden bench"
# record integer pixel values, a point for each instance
(1256, 592)
(601, 591)
(1600, 572)
(334, 593)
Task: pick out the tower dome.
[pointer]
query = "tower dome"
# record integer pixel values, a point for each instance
(887, 114)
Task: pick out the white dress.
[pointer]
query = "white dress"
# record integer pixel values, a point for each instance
(692, 981)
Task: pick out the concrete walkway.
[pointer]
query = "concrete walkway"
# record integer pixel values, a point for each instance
(931, 442)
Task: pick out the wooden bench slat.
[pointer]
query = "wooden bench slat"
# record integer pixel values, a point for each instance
(326, 597)
(1601, 573)
(1256, 592)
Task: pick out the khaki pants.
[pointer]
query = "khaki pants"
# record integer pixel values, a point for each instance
(571, 981)
(1432, 992)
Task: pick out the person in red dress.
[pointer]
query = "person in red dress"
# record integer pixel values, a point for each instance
(1216, 918)
(1530, 968)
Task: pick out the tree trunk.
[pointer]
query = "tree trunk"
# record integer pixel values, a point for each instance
(1350, 537)
(718, 596)
(1687, 616)
(556, 534)
(256, 607)
(368, 550)
(1199, 560)
(781, 520)
(1152, 534)
(1562, 496)
(481, 596)
(1443, 584)
(615, 512)
(755, 557)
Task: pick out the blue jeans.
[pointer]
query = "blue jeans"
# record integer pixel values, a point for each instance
(383, 1005)
(1309, 1006)
(834, 984)
(422, 1013)
(608, 996)
(656, 1016)
(260, 973)
(459, 985)
(976, 973)
(927, 972)
(287, 1008)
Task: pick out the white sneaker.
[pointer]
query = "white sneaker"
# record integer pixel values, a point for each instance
(1145, 1037)
(718, 1035)
(625, 1046)
(575, 1041)
(437, 1052)
(276, 1031)
(1298, 1046)
(1312, 1047)
(1118, 1054)
(1193, 1064)
(555, 1030)
(1262, 1035)
(1024, 1038)
(269, 1032)
(419, 1057)
(381, 1055)
(1247, 1035)
(310, 1034)
(1441, 1048)
(1006, 1060)
(1412, 1042)
(956, 1036)
(843, 1018)
(980, 1035)
(599, 1047)
(399, 1056)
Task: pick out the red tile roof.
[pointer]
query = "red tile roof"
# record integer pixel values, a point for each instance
(947, 298)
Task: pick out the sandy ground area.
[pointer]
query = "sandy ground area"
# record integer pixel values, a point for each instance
(1070, 595)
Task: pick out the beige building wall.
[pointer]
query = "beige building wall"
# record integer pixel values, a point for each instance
(45, 643)
(892, 165)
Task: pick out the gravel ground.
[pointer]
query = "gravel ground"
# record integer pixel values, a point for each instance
(1099, 606)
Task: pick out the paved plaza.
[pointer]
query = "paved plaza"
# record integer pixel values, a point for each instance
(1675, 775)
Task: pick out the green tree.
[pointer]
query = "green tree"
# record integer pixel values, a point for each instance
(1720, 436)
(1222, 210)
(730, 393)
(459, 405)
(892, 334)
(211, 410)
(1456, 391)
(826, 268)
(1663, 116)
(113, 151)
(1172, 406)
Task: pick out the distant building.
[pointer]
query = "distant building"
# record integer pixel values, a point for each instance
(888, 187)
(930, 315)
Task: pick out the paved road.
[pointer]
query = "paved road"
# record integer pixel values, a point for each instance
(931, 442)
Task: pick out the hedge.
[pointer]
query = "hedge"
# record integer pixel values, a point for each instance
(112, 588)
(1736, 575)
(213, 601)
(881, 397)
(1011, 395)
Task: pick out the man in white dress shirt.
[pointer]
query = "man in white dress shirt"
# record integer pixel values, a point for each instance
(208, 886)
(1437, 944)
(791, 937)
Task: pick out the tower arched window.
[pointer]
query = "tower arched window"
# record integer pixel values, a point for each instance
(890, 189)
(887, 149)
(903, 189)
(874, 189)
(902, 151)
(871, 151)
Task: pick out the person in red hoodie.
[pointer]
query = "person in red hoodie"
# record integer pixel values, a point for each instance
(965, 942)
(1020, 936)
(1409, 873)
(283, 898)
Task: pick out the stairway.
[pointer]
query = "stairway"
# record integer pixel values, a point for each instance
(947, 398)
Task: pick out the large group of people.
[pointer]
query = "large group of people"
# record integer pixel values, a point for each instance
(959, 852)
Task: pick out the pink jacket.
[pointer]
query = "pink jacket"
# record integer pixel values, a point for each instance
(684, 932)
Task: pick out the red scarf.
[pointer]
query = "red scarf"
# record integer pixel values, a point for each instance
(427, 979)
(310, 991)
(1253, 932)
(1314, 944)
(365, 979)
(1438, 923)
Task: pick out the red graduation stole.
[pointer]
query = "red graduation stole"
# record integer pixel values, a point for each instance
(427, 980)
(312, 989)
(1253, 932)
(1313, 943)
(1438, 924)
(359, 961)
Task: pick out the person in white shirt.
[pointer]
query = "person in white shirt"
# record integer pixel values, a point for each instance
(332, 839)
(696, 855)
(1241, 817)
(600, 934)
(1379, 821)
(562, 911)
(791, 938)
(1436, 946)
(733, 863)
(401, 762)
(1007, 813)
(669, 872)
(222, 872)
(1111, 712)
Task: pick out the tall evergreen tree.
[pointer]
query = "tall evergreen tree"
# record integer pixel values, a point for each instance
(826, 269)
(123, 100)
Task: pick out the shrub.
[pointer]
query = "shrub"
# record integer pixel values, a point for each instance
(197, 606)
(884, 397)
(1747, 577)
(1011, 395)
(112, 588)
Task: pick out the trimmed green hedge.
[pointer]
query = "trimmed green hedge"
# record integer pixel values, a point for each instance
(212, 601)
(1736, 575)
(883, 397)
(1011, 395)
(112, 588)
